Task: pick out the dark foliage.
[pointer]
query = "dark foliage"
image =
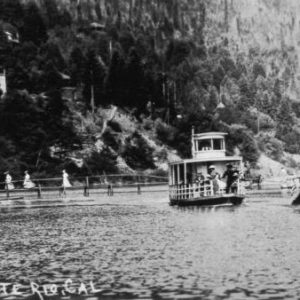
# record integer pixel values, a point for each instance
(155, 57)
(101, 163)
(137, 153)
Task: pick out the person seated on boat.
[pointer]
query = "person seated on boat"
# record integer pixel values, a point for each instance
(213, 176)
(232, 176)
(181, 183)
(200, 178)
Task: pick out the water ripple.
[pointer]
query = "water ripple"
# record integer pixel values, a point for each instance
(155, 251)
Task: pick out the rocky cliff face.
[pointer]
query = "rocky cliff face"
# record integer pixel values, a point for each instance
(262, 30)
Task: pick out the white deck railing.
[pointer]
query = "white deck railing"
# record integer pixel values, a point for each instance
(197, 190)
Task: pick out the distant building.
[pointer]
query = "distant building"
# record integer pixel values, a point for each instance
(97, 26)
(8, 34)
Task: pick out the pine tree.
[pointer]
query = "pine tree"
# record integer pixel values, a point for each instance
(114, 83)
(34, 28)
(95, 73)
(77, 65)
(12, 12)
(136, 95)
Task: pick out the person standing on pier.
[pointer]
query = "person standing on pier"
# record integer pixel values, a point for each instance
(8, 181)
(28, 184)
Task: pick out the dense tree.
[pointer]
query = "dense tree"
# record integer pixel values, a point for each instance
(134, 80)
(104, 162)
(95, 73)
(137, 153)
(77, 65)
(12, 12)
(34, 28)
(114, 84)
(177, 51)
(157, 57)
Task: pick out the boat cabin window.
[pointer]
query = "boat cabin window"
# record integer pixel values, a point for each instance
(204, 145)
(217, 144)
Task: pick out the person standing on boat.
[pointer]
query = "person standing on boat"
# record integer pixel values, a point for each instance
(232, 175)
(212, 173)
(213, 176)
(8, 181)
(28, 184)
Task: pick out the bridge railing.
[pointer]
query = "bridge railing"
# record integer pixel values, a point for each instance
(105, 184)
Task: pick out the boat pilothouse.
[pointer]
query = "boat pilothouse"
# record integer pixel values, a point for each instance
(209, 177)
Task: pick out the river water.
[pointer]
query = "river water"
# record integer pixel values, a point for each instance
(145, 249)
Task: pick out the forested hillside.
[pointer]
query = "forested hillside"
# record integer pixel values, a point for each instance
(225, 65)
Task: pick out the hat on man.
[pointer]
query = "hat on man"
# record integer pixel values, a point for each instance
(229, 165)
(211, 167)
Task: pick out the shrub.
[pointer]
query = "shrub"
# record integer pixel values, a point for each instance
(110, 140)
(242, 138)
(114, 126)
(137, 153)
(256, 120)
(165, 133)
(102, 162)
(271, 146)
(147, 124)
(290, 137)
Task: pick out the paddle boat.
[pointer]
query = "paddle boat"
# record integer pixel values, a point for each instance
(191, 181)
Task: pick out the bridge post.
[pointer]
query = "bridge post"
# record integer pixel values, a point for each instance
(86, 191)
(7, 190)
(138, 188)
(39, 191)
(110, 191)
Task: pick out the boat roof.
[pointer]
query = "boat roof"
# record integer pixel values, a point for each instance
(210, 134)
(206, 159)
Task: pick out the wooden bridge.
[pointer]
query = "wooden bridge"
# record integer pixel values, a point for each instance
(84, 191)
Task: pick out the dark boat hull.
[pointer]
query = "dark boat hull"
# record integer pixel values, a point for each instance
(296, 199)
(230, 199)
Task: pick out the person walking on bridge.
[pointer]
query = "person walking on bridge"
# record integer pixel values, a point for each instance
(8, 181)
(65, 183)
(27, 183)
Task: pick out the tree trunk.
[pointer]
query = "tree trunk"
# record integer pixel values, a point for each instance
(226, 15)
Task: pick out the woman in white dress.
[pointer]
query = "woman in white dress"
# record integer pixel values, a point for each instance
(8, 181)
(28, 184)
(66, 182)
